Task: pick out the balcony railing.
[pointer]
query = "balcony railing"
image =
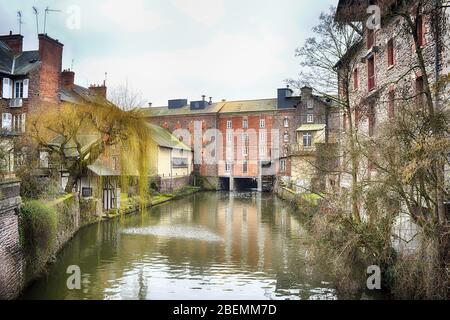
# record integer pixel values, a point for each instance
(16, 103)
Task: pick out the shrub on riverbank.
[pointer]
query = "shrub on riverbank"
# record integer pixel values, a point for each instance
(38, 233)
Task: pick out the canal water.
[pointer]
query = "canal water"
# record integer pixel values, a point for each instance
(236, 246)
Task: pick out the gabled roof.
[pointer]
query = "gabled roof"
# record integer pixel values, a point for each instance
(86, 140)
(80, 95)
(17, 64)
(164, 138)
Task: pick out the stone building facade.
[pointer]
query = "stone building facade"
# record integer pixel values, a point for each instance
(385, 72)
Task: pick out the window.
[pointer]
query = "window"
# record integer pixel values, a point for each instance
(229, 124)
(283, 165)
(179, 162)
(421, 30)
(18, 89)
(371, 72)
(310, 118)
(18, 122)
(262, 143)
(115, 161)
(286, 122)
(370, 38)
(86, 192)
(390, 51)
(355, 79)
(229, 136)
(371, 121)
(227, 167)
(245, 144)
(7, 121)
(310, 104)
(286, 137)
(391, 104)
(262, 123)
(245, 167)
(245, 123)
(307, 139)
(43, 159)
(419, 91)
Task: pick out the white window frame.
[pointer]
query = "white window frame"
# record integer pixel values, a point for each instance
(310, 104)
(229, 137)
(227, 167)
(286, 137)
(229, 124)
(245, 123)
(16, 83)
(310, 118)
(7, 121)
(286, 122)
(309, 137)
(262, 123)
(283, 165)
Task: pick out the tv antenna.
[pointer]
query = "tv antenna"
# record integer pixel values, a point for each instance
(19, 17)
(36, 13)
(47, 10)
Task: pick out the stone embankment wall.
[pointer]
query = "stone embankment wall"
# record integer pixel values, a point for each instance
(11, 258)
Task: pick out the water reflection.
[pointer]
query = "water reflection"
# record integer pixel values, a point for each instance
(207, 246)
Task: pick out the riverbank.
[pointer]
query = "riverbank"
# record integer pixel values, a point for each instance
(70, 215)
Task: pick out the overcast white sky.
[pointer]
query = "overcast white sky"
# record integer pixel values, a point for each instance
(227, 49)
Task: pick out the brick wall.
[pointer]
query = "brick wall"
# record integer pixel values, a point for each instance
(11, 259)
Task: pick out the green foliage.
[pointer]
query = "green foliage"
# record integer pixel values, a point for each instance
(38, 233)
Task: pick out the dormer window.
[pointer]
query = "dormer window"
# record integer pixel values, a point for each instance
(310, 118)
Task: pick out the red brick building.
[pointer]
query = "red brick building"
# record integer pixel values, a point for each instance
(239, 144)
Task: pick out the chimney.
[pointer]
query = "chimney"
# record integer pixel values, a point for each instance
(99, 89)
(306, 92)
(210, 101)
(50, 55)
(13, 41)
(150, 104)
(68, 79)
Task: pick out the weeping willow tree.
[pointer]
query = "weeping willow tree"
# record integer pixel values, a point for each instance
(78, 135)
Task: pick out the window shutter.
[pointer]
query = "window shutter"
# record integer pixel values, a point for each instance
(23, 121)
(7, 121)
(7, 88)
(25, 88)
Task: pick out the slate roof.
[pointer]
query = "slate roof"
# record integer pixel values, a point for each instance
(186, 110)
(164, 138)
(17, 64)
(102, 170)
(79, 95)
(249, 106)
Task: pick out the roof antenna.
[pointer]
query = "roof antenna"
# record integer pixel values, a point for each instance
(47, 10)
(106, 78)
(19, 17)
(36, 13)
(71, 66)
